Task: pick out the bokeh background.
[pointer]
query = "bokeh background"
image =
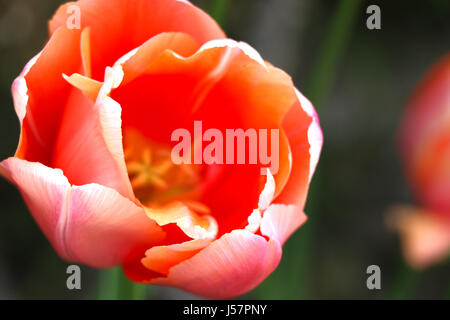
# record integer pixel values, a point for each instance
(358, 79)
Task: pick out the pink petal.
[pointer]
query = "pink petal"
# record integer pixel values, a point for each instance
(105, 229)
(230, 266)
(280, 221)
(46, 193)
(90, 224)
(425, 236)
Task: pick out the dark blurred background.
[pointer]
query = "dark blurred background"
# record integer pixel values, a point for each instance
(359, 86)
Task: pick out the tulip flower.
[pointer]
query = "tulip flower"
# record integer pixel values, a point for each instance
(97, 108)
(424, 140)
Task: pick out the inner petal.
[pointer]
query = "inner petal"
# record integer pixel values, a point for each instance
(224, 90)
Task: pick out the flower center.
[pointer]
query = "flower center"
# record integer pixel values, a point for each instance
(155, 178)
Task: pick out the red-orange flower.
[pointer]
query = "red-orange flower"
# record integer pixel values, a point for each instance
(97, 108)
(424, 141)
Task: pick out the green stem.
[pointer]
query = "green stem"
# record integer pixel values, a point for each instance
(218, 11)
(405, 283)
(109, 284)
(335, 44)
(447, 296)
(113, 285)
(132, 290)
(321, 82)
(297, 271)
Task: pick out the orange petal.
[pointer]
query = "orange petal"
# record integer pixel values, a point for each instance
(301, 125)
(192, 224)
(89, 87)
(46, 94)
(85, 46)
(119, 26)
(224, 84)
(89, 145)
(140, 60)
(162, 258)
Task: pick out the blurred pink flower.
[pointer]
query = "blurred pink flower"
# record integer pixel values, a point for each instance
(424, 140)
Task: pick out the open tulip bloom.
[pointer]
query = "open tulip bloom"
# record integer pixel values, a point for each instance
(98, 107)
(424, 140)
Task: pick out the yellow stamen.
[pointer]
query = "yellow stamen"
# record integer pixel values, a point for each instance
(147, 156)
(139, 181)
(134, 167)
(155, 178)
(157, 182)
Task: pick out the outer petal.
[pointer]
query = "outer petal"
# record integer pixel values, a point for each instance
(46, 193)
(63, 129)
(91, 224)
(301, 125)
(43, 95)
(230, 266)
(426, 238)
(118, 26)
(105, 229)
